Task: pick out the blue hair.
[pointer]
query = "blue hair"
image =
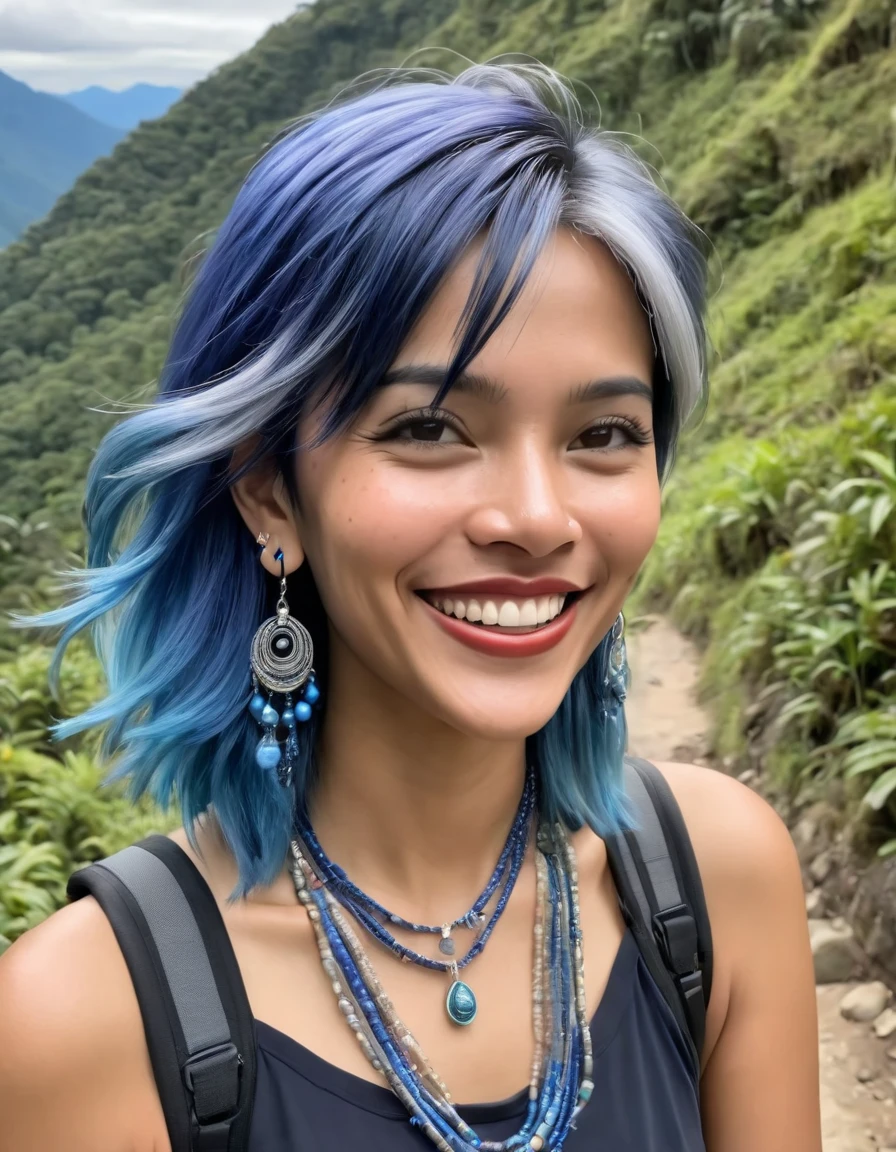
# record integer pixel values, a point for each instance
(334, 245)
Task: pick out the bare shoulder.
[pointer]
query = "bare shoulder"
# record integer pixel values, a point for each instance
(759, 1086)
(74, 1069)
(736, 833)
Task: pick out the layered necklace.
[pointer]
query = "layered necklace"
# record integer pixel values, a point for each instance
(560, 1083)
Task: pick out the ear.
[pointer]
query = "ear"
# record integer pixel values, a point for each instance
(263, 502)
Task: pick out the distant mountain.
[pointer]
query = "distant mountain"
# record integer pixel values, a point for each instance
(124, 109)
(45, 144)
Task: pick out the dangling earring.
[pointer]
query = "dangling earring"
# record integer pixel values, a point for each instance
(281, 661)
(618, 676)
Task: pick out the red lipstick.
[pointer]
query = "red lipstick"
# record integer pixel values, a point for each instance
(494, 641)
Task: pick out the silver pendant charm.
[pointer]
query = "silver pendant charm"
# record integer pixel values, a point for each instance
(446, 944)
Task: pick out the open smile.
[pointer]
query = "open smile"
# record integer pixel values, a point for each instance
(503, 624)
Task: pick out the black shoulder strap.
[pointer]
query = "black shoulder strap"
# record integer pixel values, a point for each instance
(661, 896)
(199, 1027)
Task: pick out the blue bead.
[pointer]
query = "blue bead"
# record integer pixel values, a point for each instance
(461, 1003)
(270, 716)
(289, 718)
(303, 710)
(312, 693)
(257, 705)
(267, 754)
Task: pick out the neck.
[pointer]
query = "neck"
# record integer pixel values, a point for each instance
(415, 811)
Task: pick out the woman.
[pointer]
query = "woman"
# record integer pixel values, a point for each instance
(426, 386)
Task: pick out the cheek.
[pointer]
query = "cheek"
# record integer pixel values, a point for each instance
(372, 520)
(623, 516)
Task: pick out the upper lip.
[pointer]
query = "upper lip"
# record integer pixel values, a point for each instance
(508, 586)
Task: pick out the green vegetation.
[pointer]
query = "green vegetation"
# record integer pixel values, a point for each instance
(773, 124)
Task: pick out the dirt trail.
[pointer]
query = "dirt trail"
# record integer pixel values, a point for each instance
(858, 1080)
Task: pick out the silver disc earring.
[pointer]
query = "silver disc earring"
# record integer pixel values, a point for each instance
(618, 676)
(281, 661)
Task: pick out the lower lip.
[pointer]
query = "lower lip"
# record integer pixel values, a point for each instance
(496, 643)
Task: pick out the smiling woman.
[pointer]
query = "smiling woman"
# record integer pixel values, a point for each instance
(356, 577)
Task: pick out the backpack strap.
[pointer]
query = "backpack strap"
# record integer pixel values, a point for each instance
(199, 1027)
(661, 896)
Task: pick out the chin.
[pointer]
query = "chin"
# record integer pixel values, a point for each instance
(485, 715)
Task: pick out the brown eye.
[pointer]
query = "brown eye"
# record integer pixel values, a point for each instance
(423, 428)
(598, 437)
(427, 430)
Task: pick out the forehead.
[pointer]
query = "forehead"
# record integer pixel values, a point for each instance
(578, 312)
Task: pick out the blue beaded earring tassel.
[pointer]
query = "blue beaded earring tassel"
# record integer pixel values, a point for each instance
(280, 664)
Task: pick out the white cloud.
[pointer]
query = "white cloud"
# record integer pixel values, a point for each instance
(58, 46)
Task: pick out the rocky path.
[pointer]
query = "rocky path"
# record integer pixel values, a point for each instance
(858, 1070)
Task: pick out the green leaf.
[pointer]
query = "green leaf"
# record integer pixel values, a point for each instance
(870, 757)
(878, 794)
(878, 461)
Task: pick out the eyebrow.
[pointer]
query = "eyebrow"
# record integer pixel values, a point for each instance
(484, 388)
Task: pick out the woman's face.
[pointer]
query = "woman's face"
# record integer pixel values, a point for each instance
(470, 559)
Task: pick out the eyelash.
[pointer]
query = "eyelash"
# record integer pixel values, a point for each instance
(634, 429)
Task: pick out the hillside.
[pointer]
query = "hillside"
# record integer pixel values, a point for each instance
(45, 143)
(125, 109)
(777, 135)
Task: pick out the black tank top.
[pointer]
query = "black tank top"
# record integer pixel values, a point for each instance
(645, 1096)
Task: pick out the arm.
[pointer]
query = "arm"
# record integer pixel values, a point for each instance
(74, 1071)
(760, 1084)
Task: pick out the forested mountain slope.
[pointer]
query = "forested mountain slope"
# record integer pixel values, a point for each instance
(774, 126)
(44, 144)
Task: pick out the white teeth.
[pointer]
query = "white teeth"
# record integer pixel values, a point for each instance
(509, 615)
(504, 613)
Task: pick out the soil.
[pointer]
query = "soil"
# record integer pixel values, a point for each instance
(858, 1078)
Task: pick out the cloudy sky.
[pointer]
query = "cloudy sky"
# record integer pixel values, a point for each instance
(62, 45)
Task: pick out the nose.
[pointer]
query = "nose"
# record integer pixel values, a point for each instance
(523, 501)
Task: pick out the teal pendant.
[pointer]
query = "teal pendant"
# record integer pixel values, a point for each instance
(461, 1003)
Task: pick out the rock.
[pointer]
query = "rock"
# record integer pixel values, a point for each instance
(748, 776)
(865, 1002)
(815, 904)
(839, 923)
(833, 951)
(891, 1052)
(872, 913)
(804, 833)
(865, 1075)
(885, 1024)
(821, 866)
(655, 681)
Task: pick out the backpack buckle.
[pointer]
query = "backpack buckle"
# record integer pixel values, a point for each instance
(675, 932)
(212, 1077)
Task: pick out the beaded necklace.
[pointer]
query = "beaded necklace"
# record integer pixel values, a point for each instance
(460, 1003)
(560, 1084)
